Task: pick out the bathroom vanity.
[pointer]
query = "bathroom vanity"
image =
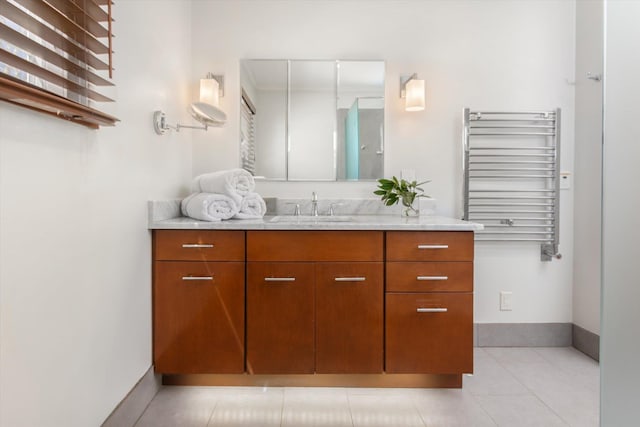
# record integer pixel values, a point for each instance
(368, 300)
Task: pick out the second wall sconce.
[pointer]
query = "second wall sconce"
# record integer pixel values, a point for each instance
(206, 111)
(412, 90)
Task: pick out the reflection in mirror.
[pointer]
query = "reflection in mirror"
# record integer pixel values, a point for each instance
(360, 119)
(263, 120)
(312, 120)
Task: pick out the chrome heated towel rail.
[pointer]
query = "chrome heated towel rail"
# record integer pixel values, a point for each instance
(511, 170)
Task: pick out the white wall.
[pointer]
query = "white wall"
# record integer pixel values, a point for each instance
(516, 55)
(620, 340)
(588, 166)
(75, 275)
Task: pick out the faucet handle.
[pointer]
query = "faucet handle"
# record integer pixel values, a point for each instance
(331, 211)
(314, 196)
(296, 210)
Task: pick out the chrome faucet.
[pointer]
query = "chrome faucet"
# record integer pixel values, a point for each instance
(314, 204)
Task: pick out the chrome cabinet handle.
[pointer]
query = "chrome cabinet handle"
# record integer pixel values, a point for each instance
(350, 279)
(197, 245)
(433, 246)
(421, 278)
(279, 279)
(187, 278)
(431, 310)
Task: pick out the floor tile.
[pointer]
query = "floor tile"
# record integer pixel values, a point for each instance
(451, 408)
(387, 411)
(248, 409)
(179, 406)
(519, 411)
(491, 378)
(316, 406)
(514, 354)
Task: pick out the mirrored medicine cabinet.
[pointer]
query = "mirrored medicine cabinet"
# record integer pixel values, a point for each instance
(312, 120)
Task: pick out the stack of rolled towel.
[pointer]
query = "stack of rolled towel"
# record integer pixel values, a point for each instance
(224, 195)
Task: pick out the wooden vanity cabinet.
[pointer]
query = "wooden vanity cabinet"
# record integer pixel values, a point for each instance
(198, 301)
(429, 302)
(314, 302)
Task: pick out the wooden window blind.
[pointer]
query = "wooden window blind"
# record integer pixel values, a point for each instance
(56, 57)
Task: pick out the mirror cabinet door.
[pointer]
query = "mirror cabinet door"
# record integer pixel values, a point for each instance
(312, 120)
(264, 86)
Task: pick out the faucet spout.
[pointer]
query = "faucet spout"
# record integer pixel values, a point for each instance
(314, 204)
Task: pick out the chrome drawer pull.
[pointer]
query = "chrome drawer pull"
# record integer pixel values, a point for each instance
(197, 278)
(431, 310)
(433, 246)
(197, 245)
(350, 279)
(421, 278)
(279, 279)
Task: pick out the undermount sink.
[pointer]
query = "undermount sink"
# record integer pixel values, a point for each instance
(310, 218)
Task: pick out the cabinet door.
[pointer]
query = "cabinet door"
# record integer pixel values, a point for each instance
(198, 317)
(429, 333)
(280, 318)
(349, 317)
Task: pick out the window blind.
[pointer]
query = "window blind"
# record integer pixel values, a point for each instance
(56, 57)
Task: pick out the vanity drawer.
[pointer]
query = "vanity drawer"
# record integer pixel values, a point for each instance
(315, 245)
(199, 245)
(429, 333)
(429, 246)
(429, 276)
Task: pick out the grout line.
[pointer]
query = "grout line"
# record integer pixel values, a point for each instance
(212, 412)
(148, 404)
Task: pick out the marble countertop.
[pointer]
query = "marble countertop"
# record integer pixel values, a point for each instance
(351, 222)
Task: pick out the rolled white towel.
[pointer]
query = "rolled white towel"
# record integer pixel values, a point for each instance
(235, 183)
(209, 206)
(252, 206)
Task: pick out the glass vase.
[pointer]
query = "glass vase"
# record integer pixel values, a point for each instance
(410, 207)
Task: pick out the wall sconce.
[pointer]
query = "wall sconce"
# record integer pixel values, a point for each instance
(412, 90)
(206, 111)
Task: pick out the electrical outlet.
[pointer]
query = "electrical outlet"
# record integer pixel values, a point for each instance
(506, 301)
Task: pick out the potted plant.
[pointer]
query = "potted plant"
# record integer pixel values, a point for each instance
(408, 192)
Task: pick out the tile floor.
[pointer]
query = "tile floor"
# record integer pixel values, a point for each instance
(511, 387)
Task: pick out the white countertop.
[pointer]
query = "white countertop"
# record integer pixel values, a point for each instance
(354, 222)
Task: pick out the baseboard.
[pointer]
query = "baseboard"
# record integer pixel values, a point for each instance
(523, 334)
(129, 410)
(586, 341)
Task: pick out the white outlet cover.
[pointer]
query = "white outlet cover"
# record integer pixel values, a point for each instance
(506, 301)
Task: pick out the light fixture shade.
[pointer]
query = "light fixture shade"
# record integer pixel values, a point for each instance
(209, 91)
(414, 95)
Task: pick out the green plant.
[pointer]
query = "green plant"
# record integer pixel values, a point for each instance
(393, 190)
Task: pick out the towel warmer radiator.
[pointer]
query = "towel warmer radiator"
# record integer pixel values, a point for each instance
(511, 170)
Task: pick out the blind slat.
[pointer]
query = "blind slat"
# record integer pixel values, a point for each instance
(77, 14)
(36, 49)
(21, 93)
(64, 24)
(49, 76)
(39, 29)
(93, 10)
